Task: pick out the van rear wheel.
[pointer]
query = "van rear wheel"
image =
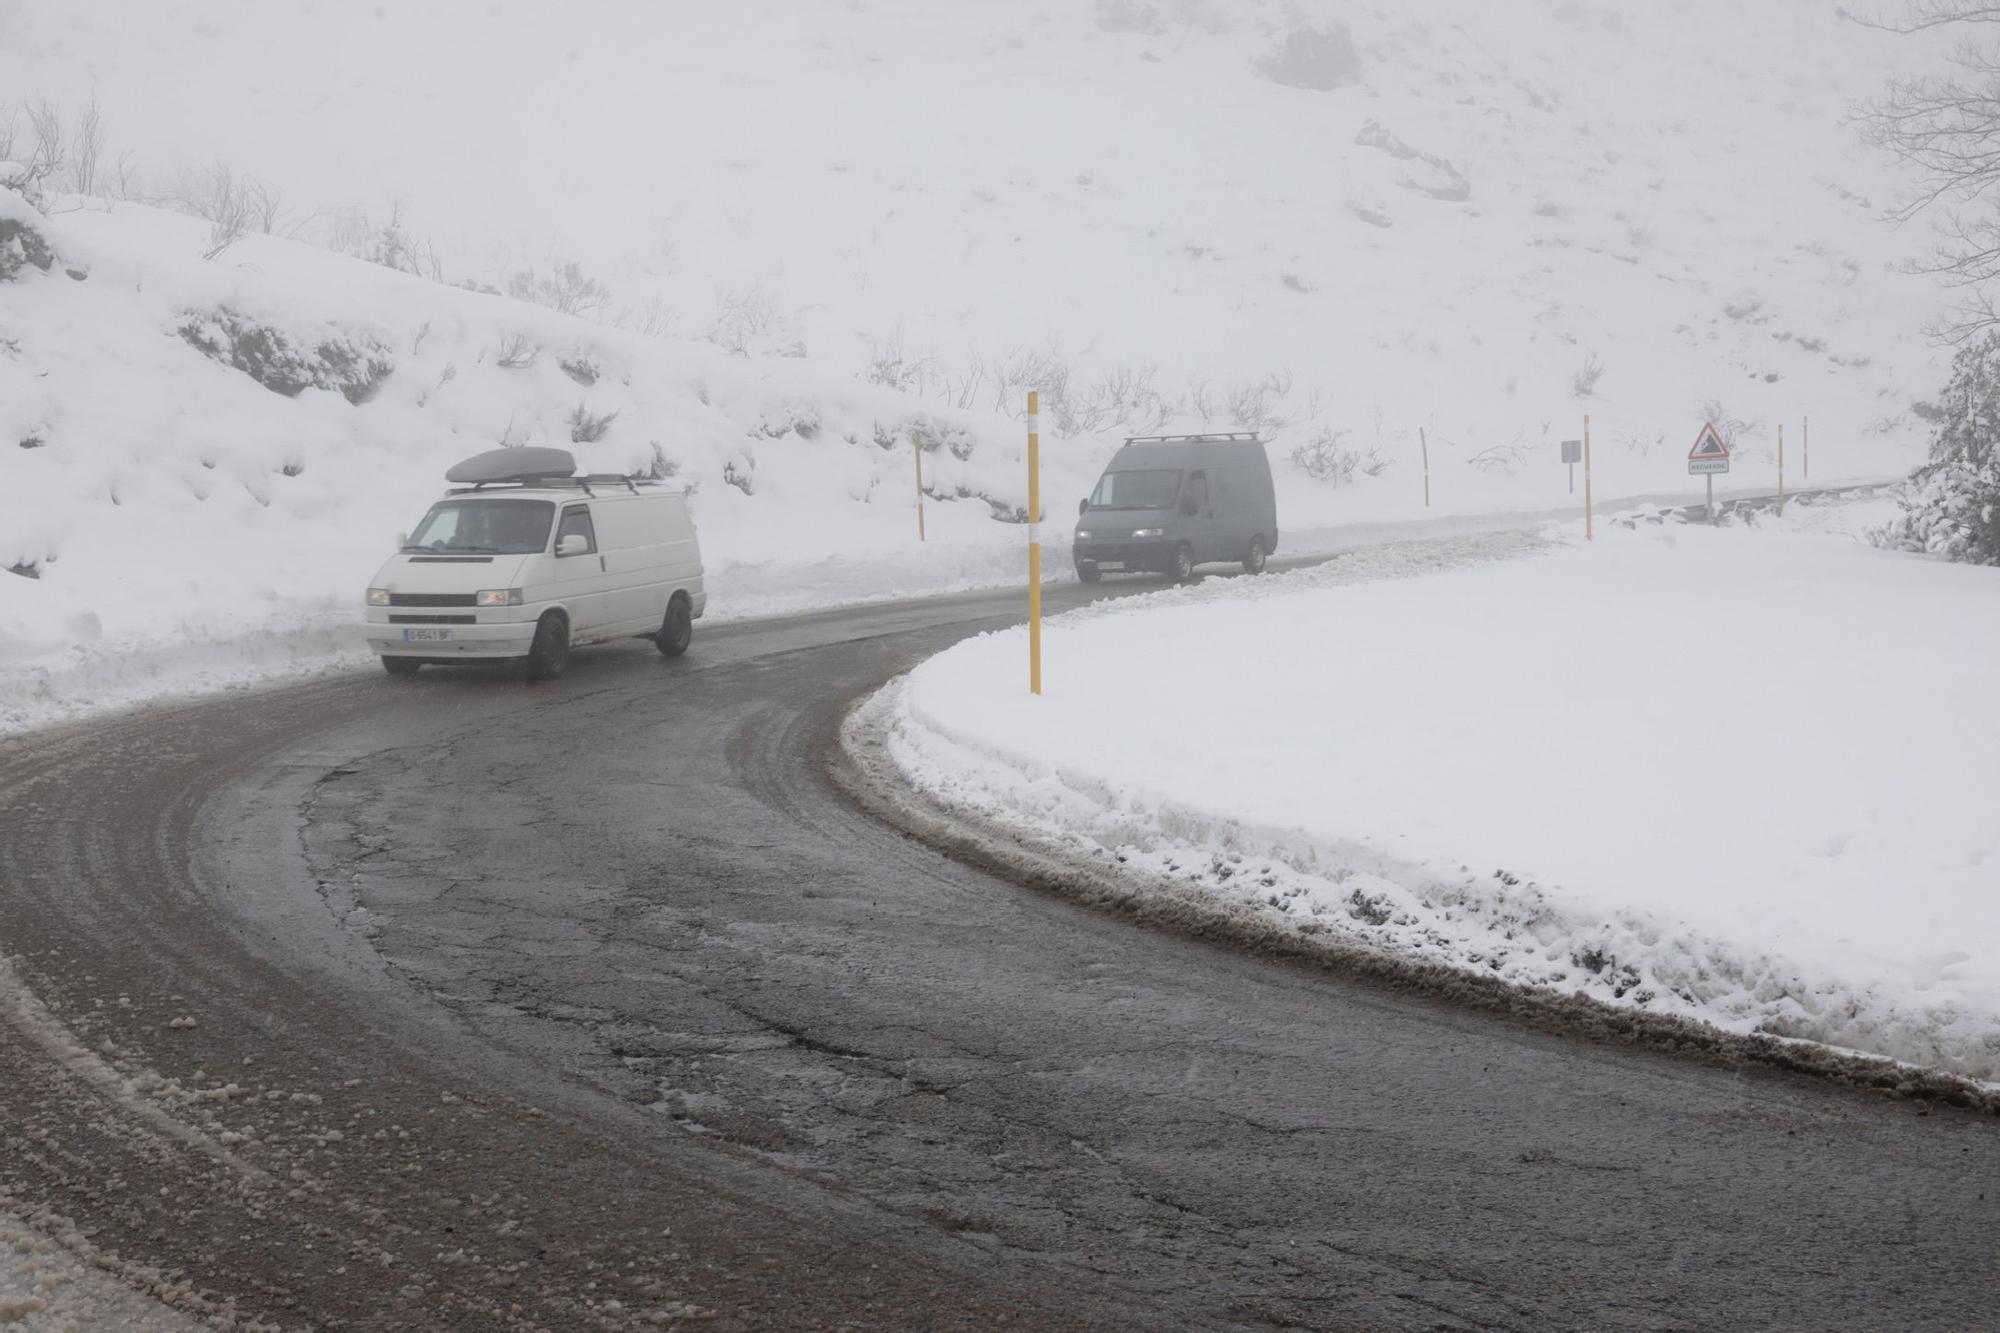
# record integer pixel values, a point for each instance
(401, 666)
(1253, 562)
(549, 653)
(677, 631)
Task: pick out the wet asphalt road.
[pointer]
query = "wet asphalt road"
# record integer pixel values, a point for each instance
(450, 1002)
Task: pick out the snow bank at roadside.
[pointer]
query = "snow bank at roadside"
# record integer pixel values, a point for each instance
(1734, 775)
(44, 1288)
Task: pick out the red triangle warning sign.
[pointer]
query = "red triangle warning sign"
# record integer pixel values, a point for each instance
(1708, 444)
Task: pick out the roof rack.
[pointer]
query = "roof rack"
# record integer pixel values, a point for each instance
(583, 483)
(1248, 435)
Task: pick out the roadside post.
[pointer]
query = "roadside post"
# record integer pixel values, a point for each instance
(1708, 457)
(1034, 542)
(917, 448)
(1589, 522)
(1781, 469)
(1424, 440)
(1805, 447)
(1572, 455)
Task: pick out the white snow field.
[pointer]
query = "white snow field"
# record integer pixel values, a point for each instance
(819, 224)
(1738, 774)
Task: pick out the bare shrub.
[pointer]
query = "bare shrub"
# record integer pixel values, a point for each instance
(1326, 457)
(219, 197)
(1727, 426)
(1584, 382)
(1499, 459)
(582, 367)
(586, 427)
(893, 368)
(38, 155)
(565, 288)
(652, 318)
(86, 148)
(743, 316)
(516, 351)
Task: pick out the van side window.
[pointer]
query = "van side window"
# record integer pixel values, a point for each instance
(1197, 489)
(577, 519)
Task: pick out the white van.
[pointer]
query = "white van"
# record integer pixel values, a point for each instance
(526, 559)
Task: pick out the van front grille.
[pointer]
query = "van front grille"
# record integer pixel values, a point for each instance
(433, 599)
(433, 620)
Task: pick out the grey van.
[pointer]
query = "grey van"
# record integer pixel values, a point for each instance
(1167, 503)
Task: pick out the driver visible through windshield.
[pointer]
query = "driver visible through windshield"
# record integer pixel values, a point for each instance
(1151, 489)
(489, 527)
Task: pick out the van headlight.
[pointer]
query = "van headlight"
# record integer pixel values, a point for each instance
(378, 597)
(1082, 536)
(1149, 532)
(497, 597)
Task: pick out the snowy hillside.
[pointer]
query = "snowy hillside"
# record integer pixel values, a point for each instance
(791, 232)
(210, 460)
(1488, 201)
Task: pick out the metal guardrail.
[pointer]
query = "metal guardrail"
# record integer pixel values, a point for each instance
(1744, 504)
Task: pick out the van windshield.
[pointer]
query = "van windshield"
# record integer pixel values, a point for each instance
(497, 527)
(1153, 489)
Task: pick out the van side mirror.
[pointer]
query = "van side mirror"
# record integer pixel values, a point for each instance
(1189, 508)
(402, 540)
(1082, 505)
(573, 543)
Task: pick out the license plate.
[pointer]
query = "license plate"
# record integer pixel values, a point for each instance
(1111, 564)
(425, 635)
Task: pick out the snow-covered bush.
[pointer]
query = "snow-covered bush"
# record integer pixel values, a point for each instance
(587, 427)
(23, 230)
(1129, 16)
(1315, 58)
(351, 366)
(1953, 506)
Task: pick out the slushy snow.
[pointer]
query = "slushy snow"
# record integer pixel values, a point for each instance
(1739, 774)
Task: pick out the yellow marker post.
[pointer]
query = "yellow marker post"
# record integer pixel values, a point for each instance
(1589, 521)
(917, 447)
(1034, 542)
(1805, 446)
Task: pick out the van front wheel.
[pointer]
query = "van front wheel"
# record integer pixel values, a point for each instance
(677, 631)
(1253, 563)
(1087, 572)
(402, 666)
(549, 653)
(1182, 569)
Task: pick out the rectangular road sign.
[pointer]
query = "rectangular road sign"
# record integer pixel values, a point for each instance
(1698, 466)
(1572, 451)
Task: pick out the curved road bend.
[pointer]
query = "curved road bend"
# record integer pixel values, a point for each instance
(451, 1003)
